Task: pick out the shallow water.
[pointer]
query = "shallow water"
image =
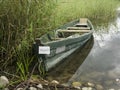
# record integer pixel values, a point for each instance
(102, 65)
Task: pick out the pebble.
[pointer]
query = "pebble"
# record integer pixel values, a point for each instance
(99, 87)
(6, 89)
(3, 81)
(76, 84)
(32, 88)
(40, 86)
(111, 89)
(87, 88)
(20, 89)
(91, 84)
(54, 82)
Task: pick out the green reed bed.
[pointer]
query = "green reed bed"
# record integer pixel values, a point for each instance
(95, 10)
(20, 22)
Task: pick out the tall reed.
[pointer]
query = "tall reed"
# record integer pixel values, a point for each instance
(20, 22)
(95, 10)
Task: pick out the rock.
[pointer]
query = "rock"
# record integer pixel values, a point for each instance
(20, 89)
(54, 82)
(78, 88)
(99, 87)
(65, 85)
(46, 82)
(91, 84)
(84, 88)
(90, 88)
(3, 81)
(5, 89)
(87, 88)
(32, 88)
(111, 89)
(76, 84)
(40, 86)
(109, 82)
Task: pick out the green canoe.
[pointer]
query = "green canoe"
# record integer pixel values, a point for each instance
(58, 44)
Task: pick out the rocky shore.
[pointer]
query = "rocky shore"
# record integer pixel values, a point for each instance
(41, 84)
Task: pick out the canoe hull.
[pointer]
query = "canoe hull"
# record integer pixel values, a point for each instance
(55, 60)
(63, 45)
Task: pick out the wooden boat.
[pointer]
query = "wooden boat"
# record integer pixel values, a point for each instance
(58, 44)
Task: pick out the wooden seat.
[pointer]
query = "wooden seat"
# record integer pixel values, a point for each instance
(82, 22)
(75, 31)
(78, 28)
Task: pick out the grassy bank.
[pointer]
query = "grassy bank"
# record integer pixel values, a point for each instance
(21, 21)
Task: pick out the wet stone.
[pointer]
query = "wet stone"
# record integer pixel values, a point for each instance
(99, 87)
(109, 83)
(76, 84)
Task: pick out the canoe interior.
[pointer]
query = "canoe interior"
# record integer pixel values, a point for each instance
(77, 27)
(65, 40)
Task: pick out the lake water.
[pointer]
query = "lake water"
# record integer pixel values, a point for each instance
(102, 65)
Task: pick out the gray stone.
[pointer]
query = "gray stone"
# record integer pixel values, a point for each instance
(109, 83)
(40, 86)
(55, 82)
(76, 84)
(84, 88)
(99, 87)
(111, 89)
(5, 89)
(32, 88)
(20, 89)
(91, 84)
(87, 88)
(3, 81)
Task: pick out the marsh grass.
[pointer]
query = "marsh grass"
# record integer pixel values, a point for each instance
(20, 22)
(95, 10)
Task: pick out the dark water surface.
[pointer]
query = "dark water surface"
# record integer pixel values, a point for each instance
(102, 65)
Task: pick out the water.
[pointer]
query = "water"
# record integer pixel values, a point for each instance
(102, 65)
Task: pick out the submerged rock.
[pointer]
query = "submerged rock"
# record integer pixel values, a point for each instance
(76, 84)
(99, 87)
